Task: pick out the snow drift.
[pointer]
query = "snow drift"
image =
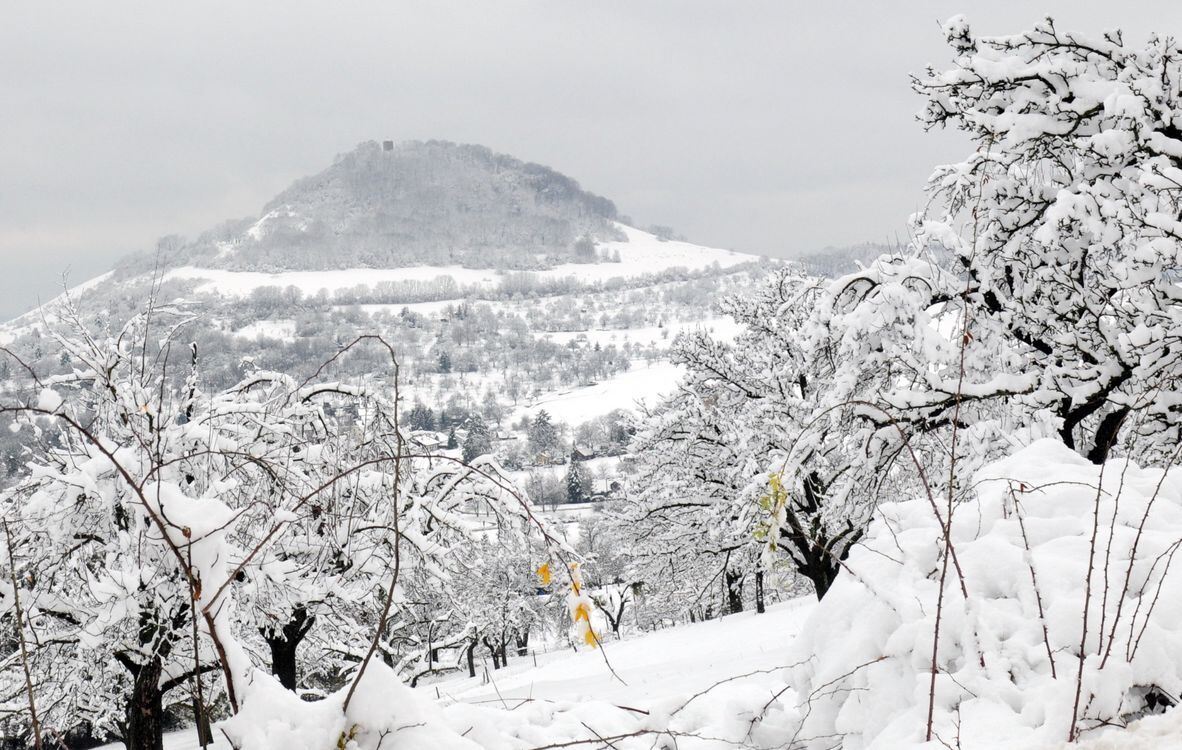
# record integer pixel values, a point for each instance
(1009, 653)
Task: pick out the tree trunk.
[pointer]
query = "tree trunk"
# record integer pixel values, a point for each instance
(617, 619)
(284, 645)
(734, 592)
(496, 655)
(1106, 435)
(472, 658)
(523, 644)
(822, 573)
(204, 730)
(816, 554)
(760, 606)
(283, 661)
(145, 709)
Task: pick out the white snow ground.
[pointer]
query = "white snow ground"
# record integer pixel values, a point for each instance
(656, 666)
(708, 678)
(1023, 545)
(640, 385)
(661, 669)
(641, 255)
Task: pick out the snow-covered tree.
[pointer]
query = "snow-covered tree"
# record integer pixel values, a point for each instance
(110, 528)
(578, 488)
(543, 434)
(1040, 299)
(705, 455)
(478, 441)
(611, 576)
(501, 606)
(1064, 228)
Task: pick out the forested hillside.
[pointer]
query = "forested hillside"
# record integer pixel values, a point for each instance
(418, 203)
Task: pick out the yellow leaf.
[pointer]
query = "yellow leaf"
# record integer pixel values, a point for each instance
(582, 612)
(544, 574)
(590, 639)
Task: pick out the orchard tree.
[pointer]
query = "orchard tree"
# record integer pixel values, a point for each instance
(704, 457)
(1064, 227)
(497, 599)
(106, 526)
(611, 576)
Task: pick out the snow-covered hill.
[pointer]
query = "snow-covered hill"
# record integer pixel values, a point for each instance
(569, 310)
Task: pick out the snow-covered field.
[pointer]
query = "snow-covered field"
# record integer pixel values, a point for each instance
(283, 329)
(640, 385)
(658, 666)
(641, 255)
(723, 328)
(660, 670)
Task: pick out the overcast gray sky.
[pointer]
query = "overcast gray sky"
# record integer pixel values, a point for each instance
(770, 127)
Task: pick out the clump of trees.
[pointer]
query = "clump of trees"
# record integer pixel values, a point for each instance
(423, 203)
(170, 546)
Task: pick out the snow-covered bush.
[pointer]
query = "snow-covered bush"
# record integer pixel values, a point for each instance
(1057, 554)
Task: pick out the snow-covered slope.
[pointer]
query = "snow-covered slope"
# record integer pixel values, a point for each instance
(736, 660)
(653, 667)
(48, 311)
(641, 254)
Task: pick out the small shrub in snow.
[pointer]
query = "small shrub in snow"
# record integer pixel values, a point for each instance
(1009, 654)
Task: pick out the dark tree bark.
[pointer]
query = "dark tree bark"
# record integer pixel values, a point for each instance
(284, 645)
(145, 709)
(821, 570)
(816, 555)
(760, 606)
(734, 592)
(204, 730)
(616, 618)
(1106, 435)
(523, 644)
(472, 658)
(494, 653)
